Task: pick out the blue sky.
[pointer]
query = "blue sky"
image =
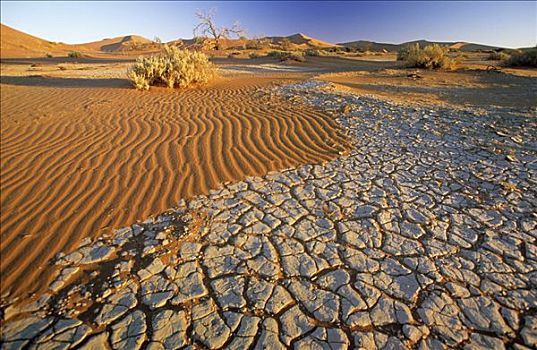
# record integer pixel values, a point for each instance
(509, 24)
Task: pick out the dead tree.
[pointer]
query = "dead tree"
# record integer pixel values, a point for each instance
(208, 28)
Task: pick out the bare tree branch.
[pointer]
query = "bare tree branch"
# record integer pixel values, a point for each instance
(207, 27)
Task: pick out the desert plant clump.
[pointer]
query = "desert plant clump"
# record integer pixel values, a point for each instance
(255, 55)
(258, 44)
(431, 57)
(172, 67)
(298, 56)
(403, 53)
(285, 44)
(48, 55)
(498, 56)
(74, 54)
(527, 58)
(313, 53)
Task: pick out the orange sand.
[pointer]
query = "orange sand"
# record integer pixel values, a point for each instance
(82, 158)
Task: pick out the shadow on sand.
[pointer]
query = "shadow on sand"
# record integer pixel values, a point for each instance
(58, 60)
(40, 80)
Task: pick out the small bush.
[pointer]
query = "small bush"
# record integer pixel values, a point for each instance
(285, 44)
(173, 67)
(288, 55)
(48, 55)
(431, 57)
(295, 56)
(257, 44)
(322, 53)
(255, 55)
(498, 56)
(313, 53)
(523, 59)
(74, 54)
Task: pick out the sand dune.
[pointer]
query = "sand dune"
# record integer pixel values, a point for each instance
(120, 44)
(376, 46)
(78, 161)
(302, 41)
(15, 43)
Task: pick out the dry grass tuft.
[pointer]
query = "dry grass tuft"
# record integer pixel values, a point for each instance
(74, 54)
(315, 53)
(430, 57)
(173, 67)
(499, 56)
(526, 58)
(258, 44)
(298, 56)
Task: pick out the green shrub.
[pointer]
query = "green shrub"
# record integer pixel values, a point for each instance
(172, 67)
(74, 54)
(431, 57)
(48, 55)
(498, 56)
(526, 58)
(288, 55)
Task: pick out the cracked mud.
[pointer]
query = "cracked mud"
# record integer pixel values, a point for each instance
(423, 236)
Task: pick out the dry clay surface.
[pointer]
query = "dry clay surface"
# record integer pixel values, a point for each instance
(424, 236)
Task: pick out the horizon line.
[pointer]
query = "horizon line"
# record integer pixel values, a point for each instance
(282, 36)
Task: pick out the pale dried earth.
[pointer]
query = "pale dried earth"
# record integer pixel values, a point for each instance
(424, 236)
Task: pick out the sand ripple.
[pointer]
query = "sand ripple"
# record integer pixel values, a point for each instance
(78, 161)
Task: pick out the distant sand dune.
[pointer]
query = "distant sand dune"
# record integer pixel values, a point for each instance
(79, 161)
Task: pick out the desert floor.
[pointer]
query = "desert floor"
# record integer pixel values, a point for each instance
(335, 203)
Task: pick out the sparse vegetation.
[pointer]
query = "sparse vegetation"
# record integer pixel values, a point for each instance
(298, 56)
(285, 44)
(526, 58)
(48, 55)
(258, 44)
(173, 67)
(321, 53)
(313, 53)
(74, 54)
(498, 56)
(431, 57)
(255, 55)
